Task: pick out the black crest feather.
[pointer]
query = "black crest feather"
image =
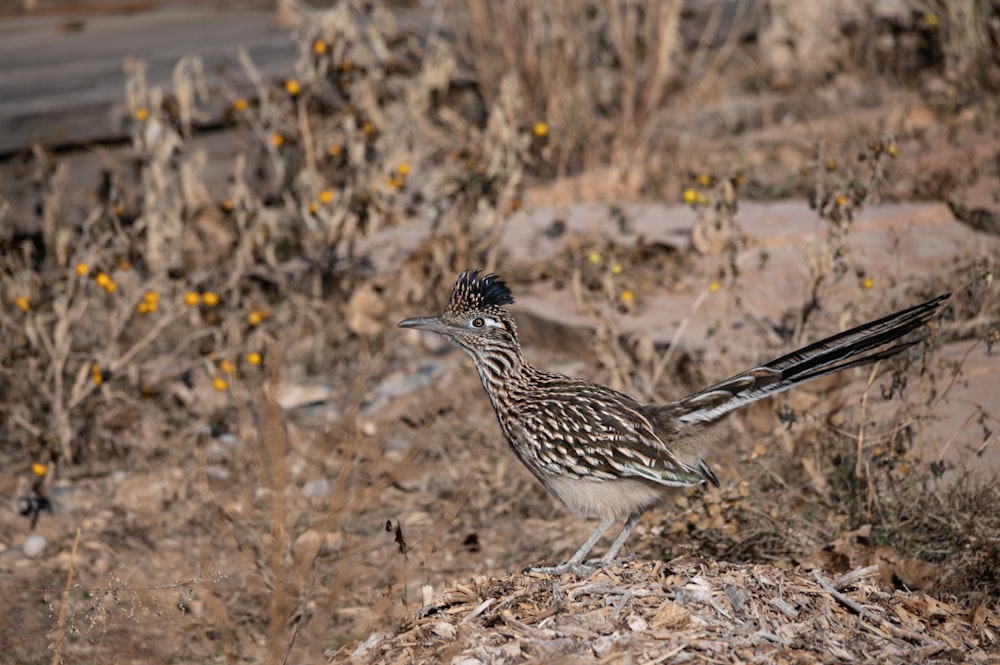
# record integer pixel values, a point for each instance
(475, 291)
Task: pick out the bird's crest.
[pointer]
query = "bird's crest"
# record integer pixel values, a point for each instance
(478, 293)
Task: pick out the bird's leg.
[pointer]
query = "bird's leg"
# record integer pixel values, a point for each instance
(575, 563)
(612, 553)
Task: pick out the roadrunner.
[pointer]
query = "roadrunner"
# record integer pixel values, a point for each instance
(601, 452)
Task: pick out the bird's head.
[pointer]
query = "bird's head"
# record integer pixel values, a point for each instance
(475, 318)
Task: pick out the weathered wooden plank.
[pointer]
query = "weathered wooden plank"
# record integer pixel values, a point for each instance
(65, 87)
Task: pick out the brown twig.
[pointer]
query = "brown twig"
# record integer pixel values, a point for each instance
(861, 425)
(61, 626)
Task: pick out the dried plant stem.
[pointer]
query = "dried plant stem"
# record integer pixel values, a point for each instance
(855, 576)
(275, 445)
(861, 425)
(671, 351)
(306, 133)
(61, 626)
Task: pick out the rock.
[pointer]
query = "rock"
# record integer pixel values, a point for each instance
(291, 396)
(145, 493)
(316, 488)
(306, 546)
(33, 546)
(445, 630)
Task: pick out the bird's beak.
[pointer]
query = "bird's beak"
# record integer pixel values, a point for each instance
(431, 323)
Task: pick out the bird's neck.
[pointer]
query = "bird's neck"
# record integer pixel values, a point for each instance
(501, 367)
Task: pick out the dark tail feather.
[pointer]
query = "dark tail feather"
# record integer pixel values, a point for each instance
(833, 354)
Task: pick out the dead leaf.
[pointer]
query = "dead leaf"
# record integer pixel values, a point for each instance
(670, 615)
(885, 558)
(366, 310)
(917, 574)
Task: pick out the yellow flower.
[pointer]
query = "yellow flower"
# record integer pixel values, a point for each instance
(277, 140)
(313, 207)
(210, 298)
(627, 296)
(39, 469)
(394, 183)
(690, 196)
(292, 87)
(239, 105)
(617, 269)
(150, 302)
(192, 299)
(220, 384)
(841, 200)
(227, 366)
(831, 165)
(141, 114)
(403, 169)
(96, 375)
(594, 257)
(105, 282)
(368, 128)
(257, 316)
(319, 47)
(931, 19)
(227, 205)
(253, 358)
(867, 283)
(336, 149)
(892, 151)
(705, 180)
(22, 303)
(82, 269)
(541, 130)
(714, 286)
(326, 196)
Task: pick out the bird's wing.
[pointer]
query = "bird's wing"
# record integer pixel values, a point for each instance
(590, 430)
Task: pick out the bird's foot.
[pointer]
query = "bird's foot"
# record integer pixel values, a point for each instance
(620, 560)
(579, 568)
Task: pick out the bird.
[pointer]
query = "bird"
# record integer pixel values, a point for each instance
(601, 452)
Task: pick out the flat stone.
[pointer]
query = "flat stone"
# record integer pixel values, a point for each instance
(897, 246)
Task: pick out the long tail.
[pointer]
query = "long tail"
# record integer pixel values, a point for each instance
(827, 356)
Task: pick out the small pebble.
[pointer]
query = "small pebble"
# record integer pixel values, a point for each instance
(33, 546)
(316, 488)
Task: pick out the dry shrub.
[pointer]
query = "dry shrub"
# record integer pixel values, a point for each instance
(599, 73)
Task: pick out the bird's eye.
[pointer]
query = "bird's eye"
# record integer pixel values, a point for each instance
(478, 322)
